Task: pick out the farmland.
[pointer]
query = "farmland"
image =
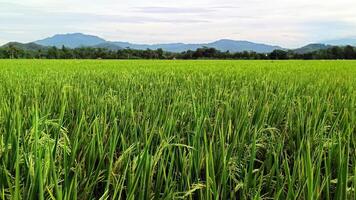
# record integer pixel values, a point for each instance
(74, 129)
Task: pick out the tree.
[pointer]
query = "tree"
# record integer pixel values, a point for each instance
(66, 53)
(53, 53)
(278, 55)
(160, 53)
(335, 53)
(349, 52)
(3, 53)
(12, 51)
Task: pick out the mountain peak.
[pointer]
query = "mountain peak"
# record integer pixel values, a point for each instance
(71, 40)
(74, 40)
(231, 40)
(242, 45)
(341, 41)
(74, 35)
(311, 48)
(26, 46)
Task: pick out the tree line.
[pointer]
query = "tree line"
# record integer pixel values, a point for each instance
(12, 52)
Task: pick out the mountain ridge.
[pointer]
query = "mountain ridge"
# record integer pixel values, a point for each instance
(309, 48)
(71, 40)
(74, 40)
(25, 46)
(341, 41)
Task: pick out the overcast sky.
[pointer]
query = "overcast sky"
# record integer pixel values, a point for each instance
(289, 23)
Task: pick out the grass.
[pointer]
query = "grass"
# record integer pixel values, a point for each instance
(177, 129)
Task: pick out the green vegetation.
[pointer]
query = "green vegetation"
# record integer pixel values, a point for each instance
(310, 52)
(177, 129)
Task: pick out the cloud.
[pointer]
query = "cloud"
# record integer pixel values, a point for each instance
(173, 10)
(287, 23)
(35, 15)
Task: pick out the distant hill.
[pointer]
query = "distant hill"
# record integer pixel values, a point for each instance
(171, 47)
(311, 48)
(71, 40)
(26, 46)
(341, 42)
(238, 46)
(108, 45)
(222, 45)
(75, 40)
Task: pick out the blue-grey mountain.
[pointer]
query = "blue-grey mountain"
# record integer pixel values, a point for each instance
(107, 45)
(341, 42)
(72, 40)
(25, 46)
(75, 40)
(311, 48)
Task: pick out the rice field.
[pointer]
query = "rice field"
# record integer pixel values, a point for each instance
(74, 129)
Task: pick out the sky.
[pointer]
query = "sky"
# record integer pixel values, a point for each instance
(288, 23)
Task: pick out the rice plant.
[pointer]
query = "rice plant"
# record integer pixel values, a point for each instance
(177, 129)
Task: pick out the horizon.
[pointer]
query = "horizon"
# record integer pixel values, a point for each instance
(177, 42)
(132, 42)
(287, 24)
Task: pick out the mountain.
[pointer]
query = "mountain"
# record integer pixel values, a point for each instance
(311, 48)
(172, 47)
(238, 46)
(108, 45)
(26, 46)
(222, 45)
(74, 40)
(341, 42)
(71, 40)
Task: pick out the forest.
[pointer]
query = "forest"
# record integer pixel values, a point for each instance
(13, 52)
